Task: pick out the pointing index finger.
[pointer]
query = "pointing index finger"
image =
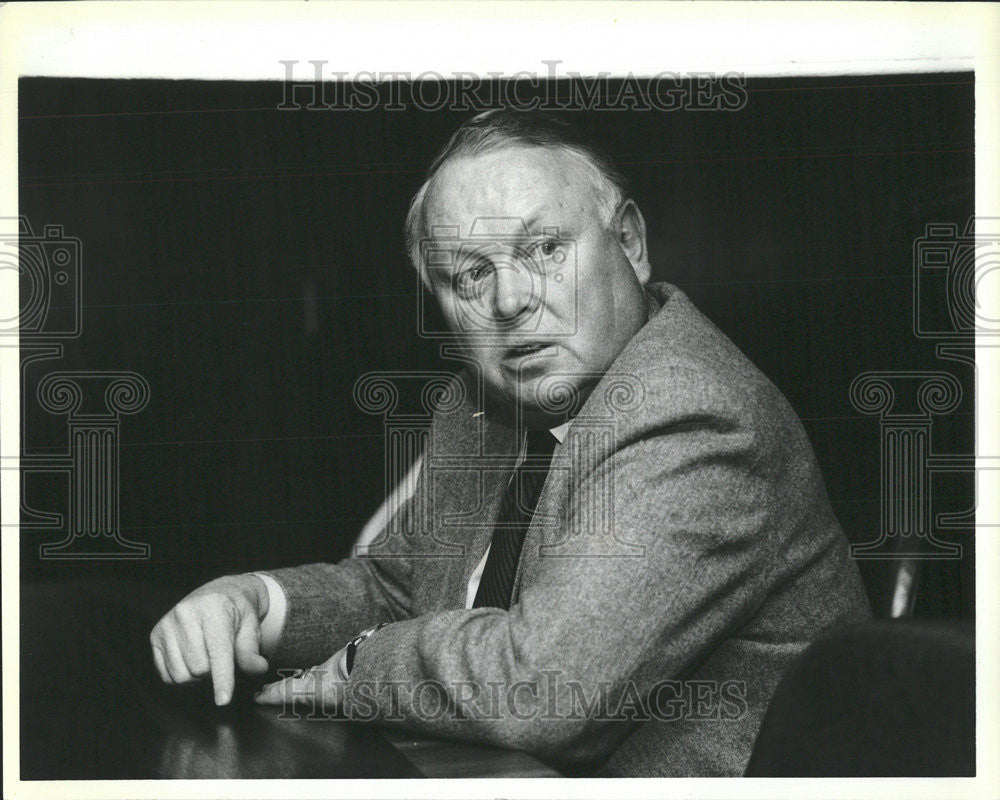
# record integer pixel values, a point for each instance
(219, 644)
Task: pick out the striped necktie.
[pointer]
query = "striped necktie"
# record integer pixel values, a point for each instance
(517, 506)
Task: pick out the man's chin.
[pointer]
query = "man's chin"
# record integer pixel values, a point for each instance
(541, 403)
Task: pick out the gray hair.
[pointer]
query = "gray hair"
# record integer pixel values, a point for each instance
(498, 128)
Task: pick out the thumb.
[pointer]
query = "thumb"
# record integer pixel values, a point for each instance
(247, 646)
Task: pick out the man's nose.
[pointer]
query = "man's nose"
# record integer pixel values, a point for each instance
(515, 293)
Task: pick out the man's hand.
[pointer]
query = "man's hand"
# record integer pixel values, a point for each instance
(210, 629)
(324, 683)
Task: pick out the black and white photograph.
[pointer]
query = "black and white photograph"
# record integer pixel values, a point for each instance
(391, 398)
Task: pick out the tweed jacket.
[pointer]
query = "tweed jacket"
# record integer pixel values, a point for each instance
(682, 553)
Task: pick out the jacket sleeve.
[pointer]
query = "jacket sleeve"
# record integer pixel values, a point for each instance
(702, 494)
(327, 604)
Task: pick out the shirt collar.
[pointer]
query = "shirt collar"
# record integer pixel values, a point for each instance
(560, 431)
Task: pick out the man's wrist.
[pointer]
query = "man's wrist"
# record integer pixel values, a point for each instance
(272, 622)
(246, 585)
(352, 647)
(256, 592)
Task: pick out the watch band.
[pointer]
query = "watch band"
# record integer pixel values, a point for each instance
(352, 646)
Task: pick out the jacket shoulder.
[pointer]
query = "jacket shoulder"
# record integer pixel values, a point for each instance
(681, 366)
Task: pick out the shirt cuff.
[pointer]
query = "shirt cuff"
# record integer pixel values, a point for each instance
(274, 620)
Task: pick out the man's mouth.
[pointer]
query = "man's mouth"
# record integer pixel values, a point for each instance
(524, 349)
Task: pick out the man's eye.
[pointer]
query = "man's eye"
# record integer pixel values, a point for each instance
(469, 278)
(548, 247)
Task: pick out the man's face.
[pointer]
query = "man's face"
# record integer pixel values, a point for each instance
(539, 288)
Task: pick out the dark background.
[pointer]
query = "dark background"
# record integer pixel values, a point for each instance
(249, 263)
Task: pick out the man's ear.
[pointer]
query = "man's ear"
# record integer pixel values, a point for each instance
(631, 232)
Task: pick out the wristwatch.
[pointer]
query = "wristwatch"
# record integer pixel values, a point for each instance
(352, 646)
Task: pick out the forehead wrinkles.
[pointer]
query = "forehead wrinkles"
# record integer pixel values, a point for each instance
(514, 182)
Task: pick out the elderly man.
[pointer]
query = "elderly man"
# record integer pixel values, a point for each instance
(618, 538)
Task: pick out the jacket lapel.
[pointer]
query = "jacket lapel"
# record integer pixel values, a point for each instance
(470, 459)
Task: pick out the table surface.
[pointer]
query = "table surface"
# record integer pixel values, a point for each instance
(92, 707)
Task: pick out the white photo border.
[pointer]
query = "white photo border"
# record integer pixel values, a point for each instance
(247, 41)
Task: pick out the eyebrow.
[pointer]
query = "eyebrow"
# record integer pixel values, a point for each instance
(532, 220)
(440, 272)
(523, 230)
(539, 216)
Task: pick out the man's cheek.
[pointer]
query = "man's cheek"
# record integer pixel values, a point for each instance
(448, 302)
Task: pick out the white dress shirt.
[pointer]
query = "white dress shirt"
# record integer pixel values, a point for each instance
(273, 622)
